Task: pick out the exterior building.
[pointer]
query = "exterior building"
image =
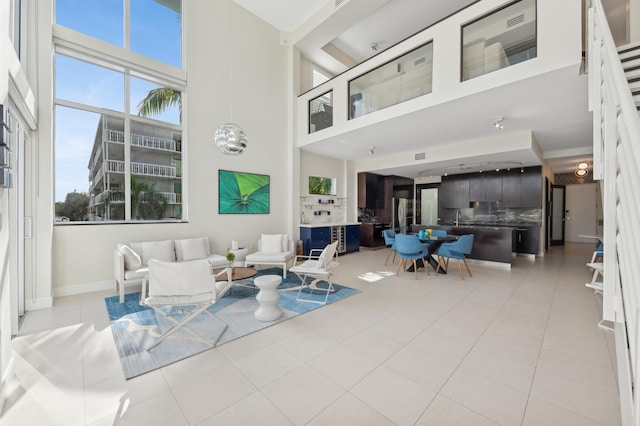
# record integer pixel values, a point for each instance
(156, 164)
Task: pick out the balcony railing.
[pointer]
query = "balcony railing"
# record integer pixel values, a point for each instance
(144, 141)
(117, 197)
(116, 166)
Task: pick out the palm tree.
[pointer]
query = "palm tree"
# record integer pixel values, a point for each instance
(159, 99)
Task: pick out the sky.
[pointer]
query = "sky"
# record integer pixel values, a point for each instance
(155, 32)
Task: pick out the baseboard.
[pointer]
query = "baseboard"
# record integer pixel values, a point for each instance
(42, 303)
(489, 264)
(71, 290)
(4, 385)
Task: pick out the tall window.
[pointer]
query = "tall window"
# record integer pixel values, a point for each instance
(118, 125)
(15, 23)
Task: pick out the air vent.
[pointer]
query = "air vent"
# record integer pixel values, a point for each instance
(513, 21)
(420, 156)
(339, 3)
(419, 61)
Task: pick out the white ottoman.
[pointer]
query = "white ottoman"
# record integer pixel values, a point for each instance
(268, 297)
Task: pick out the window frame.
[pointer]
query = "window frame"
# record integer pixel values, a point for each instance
(83, 47)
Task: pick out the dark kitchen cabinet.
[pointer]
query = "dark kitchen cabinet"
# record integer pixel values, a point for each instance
(454, 192)
(525, 240)
(315, 238)
(353, 238)
(368, 191)
(511, 188)
(371, 234)
(531, 184)
(485, 186)
(385, 198)
(522, 188)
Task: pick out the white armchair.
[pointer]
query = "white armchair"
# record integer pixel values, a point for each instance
(273, 249)
(189, 288)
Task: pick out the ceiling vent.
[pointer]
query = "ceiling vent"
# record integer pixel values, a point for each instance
(419, 61)
(420, 156)
(339, 3)
(513, 21)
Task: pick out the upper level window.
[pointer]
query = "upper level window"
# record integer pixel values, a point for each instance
(499, 39)
(149, 27)
(406, 77)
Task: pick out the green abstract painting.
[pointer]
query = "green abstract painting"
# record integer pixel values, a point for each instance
(242, 193)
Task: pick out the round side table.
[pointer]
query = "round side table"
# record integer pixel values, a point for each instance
(268, 297)
(240, 256)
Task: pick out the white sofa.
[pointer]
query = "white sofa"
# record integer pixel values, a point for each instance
(130, 261)
(273, 249)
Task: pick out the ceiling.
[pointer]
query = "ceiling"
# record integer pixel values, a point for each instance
(555, 110)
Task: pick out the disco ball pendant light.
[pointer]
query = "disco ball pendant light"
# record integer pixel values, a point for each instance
(231, 139)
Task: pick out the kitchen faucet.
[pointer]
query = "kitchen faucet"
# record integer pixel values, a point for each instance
(457, 217)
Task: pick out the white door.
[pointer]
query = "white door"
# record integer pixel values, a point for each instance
(429, 206)
(580, 212)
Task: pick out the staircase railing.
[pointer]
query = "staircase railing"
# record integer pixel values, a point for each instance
(616, 161)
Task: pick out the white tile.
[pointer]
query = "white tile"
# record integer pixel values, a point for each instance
(161, 409)
(301, 394)
(343, 365)
(254, 409)
(500, 369)
(308, 344)
(426, 369)
(493, 400)
(267, 364)
(445, 347)
(374, 345)
(393, 395)
(349, 410)
(211, 392)
(443, 411)
(539, 412)
(588, 401)
(194, 366)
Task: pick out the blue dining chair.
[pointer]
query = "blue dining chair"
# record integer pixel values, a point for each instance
(409, 247)
(455, 250)
(390, 240)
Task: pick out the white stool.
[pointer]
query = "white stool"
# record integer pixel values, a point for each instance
(268, 297)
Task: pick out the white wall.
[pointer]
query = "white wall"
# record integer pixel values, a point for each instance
(237, 70)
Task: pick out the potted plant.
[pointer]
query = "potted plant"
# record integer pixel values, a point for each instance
(230, 258)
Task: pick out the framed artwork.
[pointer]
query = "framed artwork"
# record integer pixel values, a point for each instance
(242, 193)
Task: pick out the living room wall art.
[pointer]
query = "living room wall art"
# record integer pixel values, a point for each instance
(242, 193)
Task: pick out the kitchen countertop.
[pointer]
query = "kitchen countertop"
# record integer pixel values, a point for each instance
(320, 225)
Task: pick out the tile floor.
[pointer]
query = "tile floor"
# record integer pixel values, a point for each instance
(518, 347)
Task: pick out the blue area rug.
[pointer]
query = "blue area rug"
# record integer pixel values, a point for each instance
(134, 326)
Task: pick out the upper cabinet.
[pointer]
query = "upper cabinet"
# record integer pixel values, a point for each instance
(516, 188)
(454, 191)
(522, 187)
(485, 187)
(368, 190)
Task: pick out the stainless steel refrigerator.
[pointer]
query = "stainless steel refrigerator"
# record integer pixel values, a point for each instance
(402, 215)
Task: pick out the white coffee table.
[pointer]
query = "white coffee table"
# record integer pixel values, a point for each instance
(268, 297)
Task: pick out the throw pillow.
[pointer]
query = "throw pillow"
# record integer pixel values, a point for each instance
(196, 248)
(271, 243)
(161, 250)
(132, 260)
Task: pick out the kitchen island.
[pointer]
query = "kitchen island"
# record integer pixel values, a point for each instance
(493, 243)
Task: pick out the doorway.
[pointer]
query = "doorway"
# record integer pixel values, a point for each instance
(558, 198)
(580, 218)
